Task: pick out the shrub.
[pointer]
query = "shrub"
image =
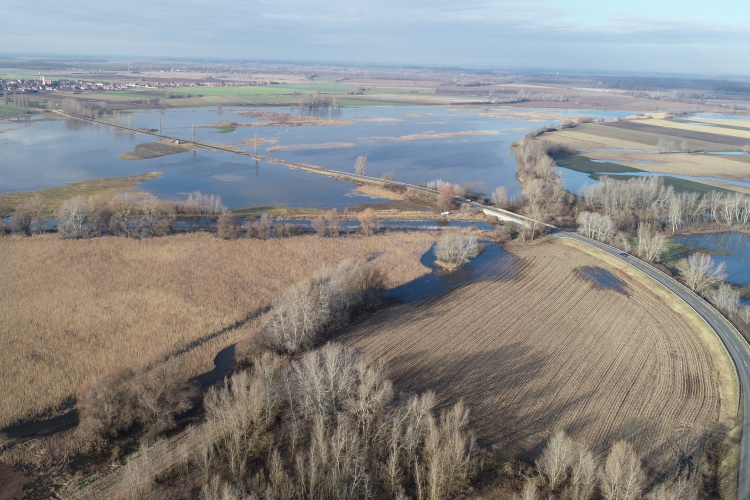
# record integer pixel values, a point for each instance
(456, 248)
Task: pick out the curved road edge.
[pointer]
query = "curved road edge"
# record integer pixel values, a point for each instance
(735, 345)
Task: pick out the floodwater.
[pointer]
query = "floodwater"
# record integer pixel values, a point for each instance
(734, 248)
(45, 153)
(492, 263)
(575, 181)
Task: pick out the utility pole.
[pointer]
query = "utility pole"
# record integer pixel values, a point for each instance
(256, 143)
(192, 129)
(159, 123)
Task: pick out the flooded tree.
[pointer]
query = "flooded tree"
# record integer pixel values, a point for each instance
(361, 166)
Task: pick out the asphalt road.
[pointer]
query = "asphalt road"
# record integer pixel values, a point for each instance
(736, 346)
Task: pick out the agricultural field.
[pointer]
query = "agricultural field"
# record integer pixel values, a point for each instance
(73, 308)
(555, 338)
(635, 146)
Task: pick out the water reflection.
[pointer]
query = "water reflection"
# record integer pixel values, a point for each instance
(734, 246)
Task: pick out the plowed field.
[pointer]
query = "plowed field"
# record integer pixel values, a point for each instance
(563, 340)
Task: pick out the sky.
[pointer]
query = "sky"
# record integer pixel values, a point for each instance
(666, 36)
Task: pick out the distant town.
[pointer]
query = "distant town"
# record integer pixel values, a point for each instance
(42, 84)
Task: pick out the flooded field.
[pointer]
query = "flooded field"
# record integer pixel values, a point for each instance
(460, 145)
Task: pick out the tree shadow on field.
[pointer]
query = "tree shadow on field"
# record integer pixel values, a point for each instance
(499, 386)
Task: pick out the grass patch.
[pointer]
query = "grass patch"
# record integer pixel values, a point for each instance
(226, 130)
(157, 149)
(586, 165)
(324, 145)
(712, 125)
(55, 196)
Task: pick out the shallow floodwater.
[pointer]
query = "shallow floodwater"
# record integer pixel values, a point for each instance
(735, 246)
(45, 153)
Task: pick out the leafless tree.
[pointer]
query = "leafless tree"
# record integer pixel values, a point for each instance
(665, 146)
(726, 298)
(334, 222)
(745, 314)
(3, 228)
(596, 226)
(556, 458)
(456, 248)
(389, 176)
(28, 213)
(700, 272)
(319, 225)
(98, 212)
(530, 490)
(71, 216)
(360, 167)
(225, 227)
(685, 147)
(621, 478)
(368, 221)
(650, 242)
(746, 149)
(500, 196)
(151, 216)
(679, 490)
(583, 477)
(122, 215)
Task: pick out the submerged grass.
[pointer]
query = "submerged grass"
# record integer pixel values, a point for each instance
(73, 308)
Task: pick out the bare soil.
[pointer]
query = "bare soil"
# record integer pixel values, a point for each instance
(539, 348)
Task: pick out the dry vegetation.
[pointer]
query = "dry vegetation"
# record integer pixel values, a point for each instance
(443, 135)
(541, 349)
(54, 197)
(78, 307)
(274, 119)
(157, 149)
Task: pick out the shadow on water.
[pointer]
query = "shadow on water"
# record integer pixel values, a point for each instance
(492, 263)
(223, 365)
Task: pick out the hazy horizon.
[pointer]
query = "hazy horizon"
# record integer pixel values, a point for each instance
(665, 37)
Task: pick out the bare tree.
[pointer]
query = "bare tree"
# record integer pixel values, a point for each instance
(621, 478)
(650, 242)
(456, 248)
(500, 196)
(389, 176)
(746, 149)
(685, 147)
(334, 222)
(445, 200)
(530, 490)
(556, 458)
(98, 212)
(368, 221)
(596, 226)
(29, 213)
(700, 272)
(726, 298)
(745, 314)
(151, 216)
(122, 214)
(319, 225)
(681, 489)
(225, 227)
(583, 477)
(360, 167)
(71, 215)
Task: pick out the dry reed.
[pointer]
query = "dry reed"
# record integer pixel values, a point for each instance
(73, 308)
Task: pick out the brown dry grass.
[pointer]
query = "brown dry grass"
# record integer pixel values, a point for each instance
(274, 119)
(697, 127)
(542, 349)
(157, 149)
(376, 191)
(259, 141)
(75, 308)
(418, 137)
